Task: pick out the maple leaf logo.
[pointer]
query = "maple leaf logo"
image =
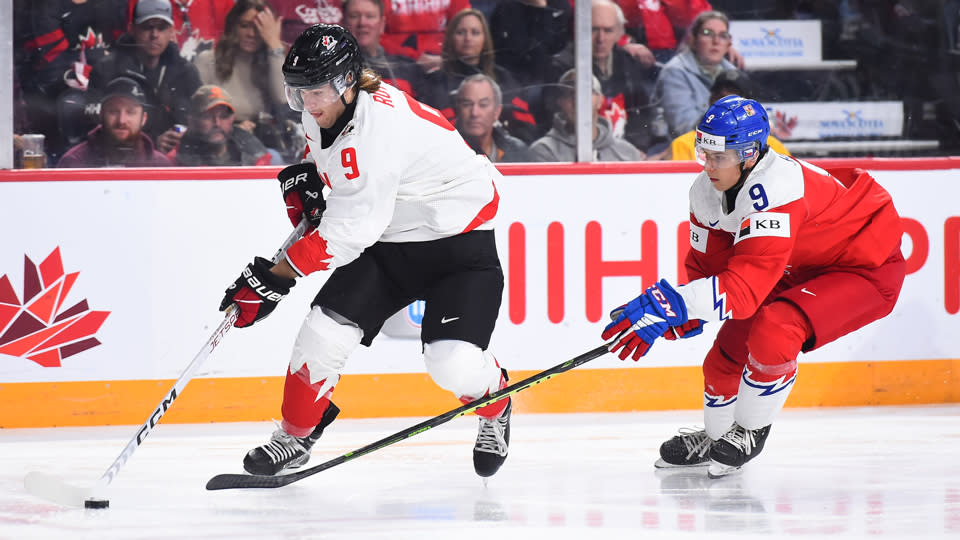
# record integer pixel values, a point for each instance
(36, 329)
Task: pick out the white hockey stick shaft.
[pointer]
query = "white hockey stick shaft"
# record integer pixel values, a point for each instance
(50, 488)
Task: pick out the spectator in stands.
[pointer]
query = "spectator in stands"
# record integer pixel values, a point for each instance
(478, 104)
(55, 43)
(526, 36)
(728, 82)
(148, 55)
(683, 87)
(652, 27)
(365, 20)
(246, 63)
(298, 15)
(118, 141)
(560, 144)
(197, 24)
(212, 139)
(627, 84)
(468, 49)
(416, 29)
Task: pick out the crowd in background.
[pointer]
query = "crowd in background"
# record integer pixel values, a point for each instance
(112, 83)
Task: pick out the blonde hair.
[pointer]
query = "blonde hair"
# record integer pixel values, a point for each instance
(369, 80)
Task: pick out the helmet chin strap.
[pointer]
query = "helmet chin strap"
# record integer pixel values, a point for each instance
(355, 86)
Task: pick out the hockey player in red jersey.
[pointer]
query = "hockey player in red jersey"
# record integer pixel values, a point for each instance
(788, 256)
(407, 216)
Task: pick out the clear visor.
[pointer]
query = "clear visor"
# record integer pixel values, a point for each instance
(717, 160)
(318, 96)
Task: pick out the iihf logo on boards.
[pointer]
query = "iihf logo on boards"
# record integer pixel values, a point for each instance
(38, 329)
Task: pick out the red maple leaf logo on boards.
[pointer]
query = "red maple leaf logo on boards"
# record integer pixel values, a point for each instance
(36, 329)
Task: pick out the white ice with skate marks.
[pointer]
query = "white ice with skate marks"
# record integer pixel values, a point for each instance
(824, 473)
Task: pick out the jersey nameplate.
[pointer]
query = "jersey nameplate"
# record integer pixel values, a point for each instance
(764, 224)
(698, 238)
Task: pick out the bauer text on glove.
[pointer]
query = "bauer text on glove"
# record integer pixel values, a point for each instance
(256, 292)
(302, 193)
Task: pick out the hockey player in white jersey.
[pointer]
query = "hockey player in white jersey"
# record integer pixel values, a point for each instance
(408, 215)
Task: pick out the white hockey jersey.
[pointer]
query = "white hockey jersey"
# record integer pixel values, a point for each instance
(398, 172)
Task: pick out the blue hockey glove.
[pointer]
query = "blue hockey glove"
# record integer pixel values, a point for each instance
(641, 321)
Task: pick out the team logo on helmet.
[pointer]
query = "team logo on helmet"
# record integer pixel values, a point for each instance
(328, 41)
(748, 108)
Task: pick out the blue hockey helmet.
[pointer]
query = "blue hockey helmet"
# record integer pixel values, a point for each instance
(734, 123)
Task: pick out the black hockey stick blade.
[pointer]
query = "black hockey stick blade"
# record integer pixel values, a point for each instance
(240, 481)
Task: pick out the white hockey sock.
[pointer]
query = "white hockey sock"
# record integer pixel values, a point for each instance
(759, 402)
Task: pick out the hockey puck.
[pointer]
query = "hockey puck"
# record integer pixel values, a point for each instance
(96, 503)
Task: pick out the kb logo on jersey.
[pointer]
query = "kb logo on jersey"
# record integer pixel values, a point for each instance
(764, 224)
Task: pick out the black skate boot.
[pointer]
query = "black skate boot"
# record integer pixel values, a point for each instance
(493, 441)
(688, 449)
(284, 451)
(735, 449)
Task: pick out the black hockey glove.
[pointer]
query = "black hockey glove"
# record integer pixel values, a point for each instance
(302, 193)
(256, 292)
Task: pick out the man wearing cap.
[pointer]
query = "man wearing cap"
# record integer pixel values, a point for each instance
(118, 140)
(149, 55)
(560, 143)
(729, 82)
(212, 139)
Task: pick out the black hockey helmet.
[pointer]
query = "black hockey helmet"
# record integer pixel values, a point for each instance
(322, 54)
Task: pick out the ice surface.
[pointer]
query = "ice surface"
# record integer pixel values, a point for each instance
(887, 472)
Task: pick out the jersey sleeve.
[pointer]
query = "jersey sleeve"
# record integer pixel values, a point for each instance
(709, 250)
(752, 262)
(360, 205)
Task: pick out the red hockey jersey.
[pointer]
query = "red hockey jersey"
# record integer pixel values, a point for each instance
(789, 217)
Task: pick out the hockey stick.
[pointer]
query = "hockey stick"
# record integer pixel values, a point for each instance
(54, 489)
(235, 481)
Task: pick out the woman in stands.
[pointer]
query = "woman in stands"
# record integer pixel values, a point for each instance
(249, 48)
(468, 50)
(683, 86)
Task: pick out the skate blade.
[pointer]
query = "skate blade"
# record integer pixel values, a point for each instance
(719, 470)
(661, 464)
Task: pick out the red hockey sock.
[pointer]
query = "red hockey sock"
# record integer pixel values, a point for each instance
(775, 340)
(302, 405)
(721, 374)
(491, 410)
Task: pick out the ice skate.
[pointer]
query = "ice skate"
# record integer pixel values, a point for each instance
(690, 448)
(284, 451)
(493, 441)
(735, 449)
